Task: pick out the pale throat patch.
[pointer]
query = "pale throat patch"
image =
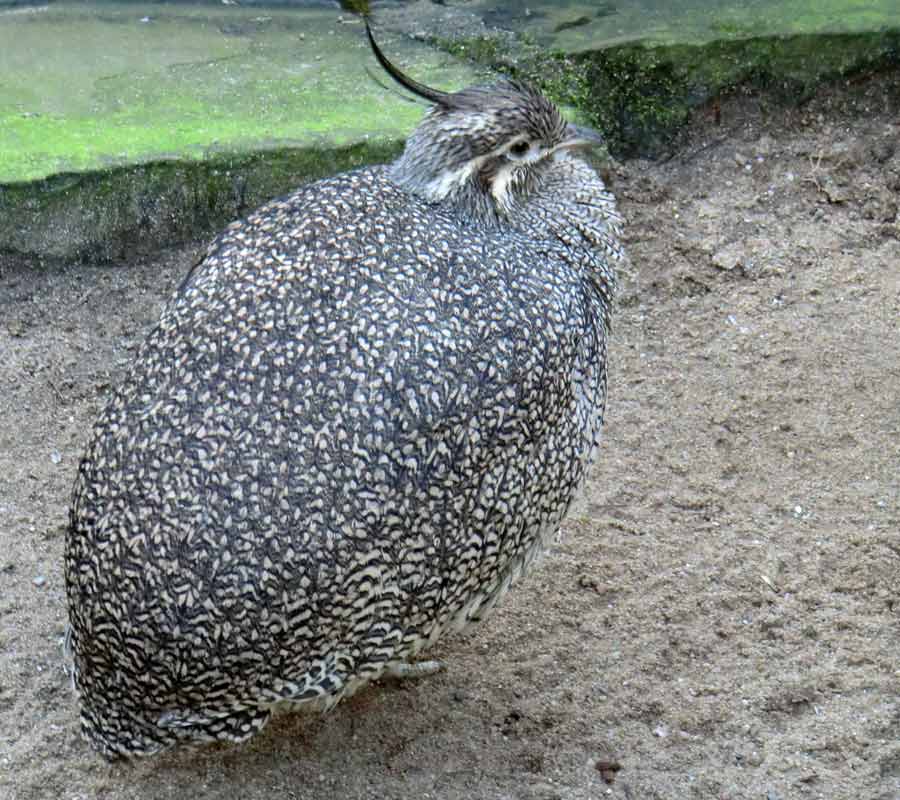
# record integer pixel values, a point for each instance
(500, 186)
(450, 180)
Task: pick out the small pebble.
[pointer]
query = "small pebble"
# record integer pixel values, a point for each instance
(765, 145)
(588, 582)
(56, 456)
(608, 767)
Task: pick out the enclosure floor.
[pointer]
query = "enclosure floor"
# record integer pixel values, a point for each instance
(721, 619)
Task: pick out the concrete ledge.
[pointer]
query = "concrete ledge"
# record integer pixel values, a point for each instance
(114, 213)
(127, 126)
(647, 113)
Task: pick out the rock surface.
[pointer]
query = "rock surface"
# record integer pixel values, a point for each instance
(128, 126)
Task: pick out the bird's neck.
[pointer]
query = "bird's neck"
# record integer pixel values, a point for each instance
(474, 193)
(566, 202)
(458, 190)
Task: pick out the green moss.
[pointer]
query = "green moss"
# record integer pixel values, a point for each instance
(117, 212)
(35, 146)
(127, 126)
(87, 87)
(487, 50)
(641, 96)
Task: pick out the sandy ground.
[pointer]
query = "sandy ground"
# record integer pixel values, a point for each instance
(721, 619)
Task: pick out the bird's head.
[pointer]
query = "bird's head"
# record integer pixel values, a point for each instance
(488, 147)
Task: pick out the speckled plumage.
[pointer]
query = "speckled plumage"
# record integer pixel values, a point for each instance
(360, 418)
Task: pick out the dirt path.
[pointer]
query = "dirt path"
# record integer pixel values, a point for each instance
(721, 619)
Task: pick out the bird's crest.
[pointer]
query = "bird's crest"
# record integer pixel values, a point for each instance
(483, 147)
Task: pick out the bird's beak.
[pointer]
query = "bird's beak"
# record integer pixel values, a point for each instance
(579, 136)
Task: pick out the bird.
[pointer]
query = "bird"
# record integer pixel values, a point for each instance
(360, 418)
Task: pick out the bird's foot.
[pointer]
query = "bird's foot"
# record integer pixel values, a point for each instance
(416, 669)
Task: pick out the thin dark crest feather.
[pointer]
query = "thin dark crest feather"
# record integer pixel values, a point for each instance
(392, 89)
(420, 89)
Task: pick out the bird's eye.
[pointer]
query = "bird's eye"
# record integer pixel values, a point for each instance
(519, 149)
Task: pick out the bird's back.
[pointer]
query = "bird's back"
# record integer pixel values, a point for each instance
(356, 422)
